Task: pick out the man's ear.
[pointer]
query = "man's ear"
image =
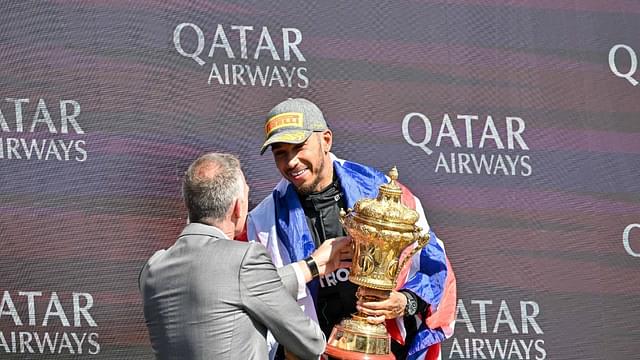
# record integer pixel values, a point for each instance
(327, 140)
(236, 209)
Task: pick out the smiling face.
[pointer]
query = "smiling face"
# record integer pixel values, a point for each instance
(306, 165)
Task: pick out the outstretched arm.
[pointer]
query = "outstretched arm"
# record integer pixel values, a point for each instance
(266, 300)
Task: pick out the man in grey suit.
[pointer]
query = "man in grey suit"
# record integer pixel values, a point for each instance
(209, 297)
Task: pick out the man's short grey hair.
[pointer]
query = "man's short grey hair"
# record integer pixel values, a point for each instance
(209, 198)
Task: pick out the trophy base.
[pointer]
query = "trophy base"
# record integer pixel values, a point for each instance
(356, 339)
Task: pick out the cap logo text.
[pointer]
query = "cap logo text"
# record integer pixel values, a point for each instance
(289, 119)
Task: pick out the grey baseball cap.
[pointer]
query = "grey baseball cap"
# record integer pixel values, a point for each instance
(292, 121)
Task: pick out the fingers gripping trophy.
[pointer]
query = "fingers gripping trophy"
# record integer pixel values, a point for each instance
(381, 229)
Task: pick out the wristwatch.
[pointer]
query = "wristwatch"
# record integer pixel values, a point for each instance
(313, 267)
(412, 304)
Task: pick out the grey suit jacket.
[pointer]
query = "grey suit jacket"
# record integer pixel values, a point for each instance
(208, 297)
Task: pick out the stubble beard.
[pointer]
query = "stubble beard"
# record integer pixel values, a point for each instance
(305, 190)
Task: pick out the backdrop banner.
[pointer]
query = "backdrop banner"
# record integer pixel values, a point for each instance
(517, 123)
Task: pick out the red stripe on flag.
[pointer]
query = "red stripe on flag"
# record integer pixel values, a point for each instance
(446, 311)
(394, 331)
(433, 352)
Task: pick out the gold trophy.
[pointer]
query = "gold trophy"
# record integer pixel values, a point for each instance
(381, 229)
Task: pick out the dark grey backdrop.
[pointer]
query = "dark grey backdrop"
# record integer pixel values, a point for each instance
(101, 113)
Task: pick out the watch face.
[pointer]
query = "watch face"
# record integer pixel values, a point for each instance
(412, 306)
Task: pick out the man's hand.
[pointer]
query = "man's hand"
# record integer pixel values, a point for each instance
(378, 311)
(333, 254)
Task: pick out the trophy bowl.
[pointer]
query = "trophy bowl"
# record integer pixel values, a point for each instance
(381, 229)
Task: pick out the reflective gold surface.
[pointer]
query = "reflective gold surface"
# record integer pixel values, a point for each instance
(381, 229)
(357, 335)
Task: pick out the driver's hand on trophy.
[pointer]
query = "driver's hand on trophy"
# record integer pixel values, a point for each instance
(333, 254)
(378, 311)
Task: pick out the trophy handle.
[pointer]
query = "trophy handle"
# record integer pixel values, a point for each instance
(343, 215)
(422, 240)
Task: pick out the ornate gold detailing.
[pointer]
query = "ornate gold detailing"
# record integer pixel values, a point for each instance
(381, 229)
(357, 335)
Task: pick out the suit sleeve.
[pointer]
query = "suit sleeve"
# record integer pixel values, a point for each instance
(290, 280)
(269, 302)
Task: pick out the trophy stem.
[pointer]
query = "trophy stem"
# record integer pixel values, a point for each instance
(372, 294)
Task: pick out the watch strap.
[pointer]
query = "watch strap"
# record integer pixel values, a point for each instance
(313, 267)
